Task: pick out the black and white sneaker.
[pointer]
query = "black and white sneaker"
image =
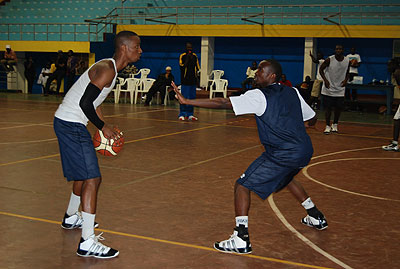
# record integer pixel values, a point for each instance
(93, 248)
(391, 147)
(318, 223)
(74, 221)
(235, 244)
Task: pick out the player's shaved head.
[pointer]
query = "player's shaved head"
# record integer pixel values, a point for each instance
(123, 38)
(274, 66)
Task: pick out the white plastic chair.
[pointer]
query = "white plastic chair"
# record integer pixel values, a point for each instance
(132, 85)
(221, 85)
(215, 74)
(143, 73)
(117, 89)
(144, 86)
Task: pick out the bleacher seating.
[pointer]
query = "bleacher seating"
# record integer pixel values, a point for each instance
(64, 20)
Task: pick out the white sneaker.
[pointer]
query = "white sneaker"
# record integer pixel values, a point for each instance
(319, 223)
(334, 128)
(193, 118)
(327, 129)
(391, 147)
(182, 118)
(234, 244)
(93, 248)
(74, 221)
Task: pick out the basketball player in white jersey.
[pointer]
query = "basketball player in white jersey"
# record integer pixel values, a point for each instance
(78, 157)
(335, 74)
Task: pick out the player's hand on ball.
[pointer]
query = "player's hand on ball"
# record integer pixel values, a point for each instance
(111, 132)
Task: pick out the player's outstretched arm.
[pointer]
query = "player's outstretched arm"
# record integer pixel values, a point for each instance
(206, 103)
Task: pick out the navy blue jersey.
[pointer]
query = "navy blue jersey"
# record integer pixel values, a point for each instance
(281, 128)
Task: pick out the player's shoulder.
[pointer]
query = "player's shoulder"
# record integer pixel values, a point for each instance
(104, 68)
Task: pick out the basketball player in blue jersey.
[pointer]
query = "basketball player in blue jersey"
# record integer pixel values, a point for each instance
(280, 113)
(78, 157)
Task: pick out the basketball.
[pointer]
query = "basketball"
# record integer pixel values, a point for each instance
(353, 62)
(107, 147)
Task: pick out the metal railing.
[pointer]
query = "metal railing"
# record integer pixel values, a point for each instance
(55, 31)
(93, 29)
(381, 14)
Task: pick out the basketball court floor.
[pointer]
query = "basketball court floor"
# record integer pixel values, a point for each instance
(168, 195)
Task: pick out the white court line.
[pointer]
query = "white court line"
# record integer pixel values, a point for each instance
(305, 172)
(31, 141)
(343, 151)
(27, 125)
(302, 237)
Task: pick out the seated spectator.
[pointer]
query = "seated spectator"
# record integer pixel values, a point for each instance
(10, 59)
(128, 71)
(44, 74)
(250, 73)
(284, 81)
(305, 88)
(81, 68)
(249, 81)
(162, 81)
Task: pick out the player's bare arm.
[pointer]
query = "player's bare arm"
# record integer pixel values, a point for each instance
(324, 65)
(206, 103)
(344, 82)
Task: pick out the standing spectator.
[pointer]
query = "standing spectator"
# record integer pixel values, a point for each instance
(394, 69)
(355, 62)
(335, 73)
(10, 59)
(284, 81)
(29, 72)
(58, 74)
(160, 85)
(71, 65)
(44, 74)
(316, 89)
(189, 64)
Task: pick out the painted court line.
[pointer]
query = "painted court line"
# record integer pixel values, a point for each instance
(182, 168)
(168, 242)
(305, 172)
(302, 237)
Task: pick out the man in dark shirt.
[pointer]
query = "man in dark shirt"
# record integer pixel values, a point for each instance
(162, 81)
(189, 64)
(59, 74)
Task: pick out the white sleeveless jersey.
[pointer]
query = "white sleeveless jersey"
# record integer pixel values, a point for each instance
(335, 73)
(69, 109)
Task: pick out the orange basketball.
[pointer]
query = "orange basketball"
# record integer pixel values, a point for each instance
(107, 147)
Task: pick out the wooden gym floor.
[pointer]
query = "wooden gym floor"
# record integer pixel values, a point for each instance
(168, 195)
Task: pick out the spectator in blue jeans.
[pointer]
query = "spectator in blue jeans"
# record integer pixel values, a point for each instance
(189, 64)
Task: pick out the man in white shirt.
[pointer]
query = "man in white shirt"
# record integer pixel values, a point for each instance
(316, 89)
(280, 112)
(334, 72)
(355, 62)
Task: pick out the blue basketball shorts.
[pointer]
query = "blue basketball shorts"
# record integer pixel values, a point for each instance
(264, 176)
(78, 156)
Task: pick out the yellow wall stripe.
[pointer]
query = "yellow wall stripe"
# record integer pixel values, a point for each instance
(46, 46)
(351, 31)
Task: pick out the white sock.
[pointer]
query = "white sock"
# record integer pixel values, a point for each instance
(307, 204)
(394, 142)
(244, 220)
(74, 203)
(87, 225)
